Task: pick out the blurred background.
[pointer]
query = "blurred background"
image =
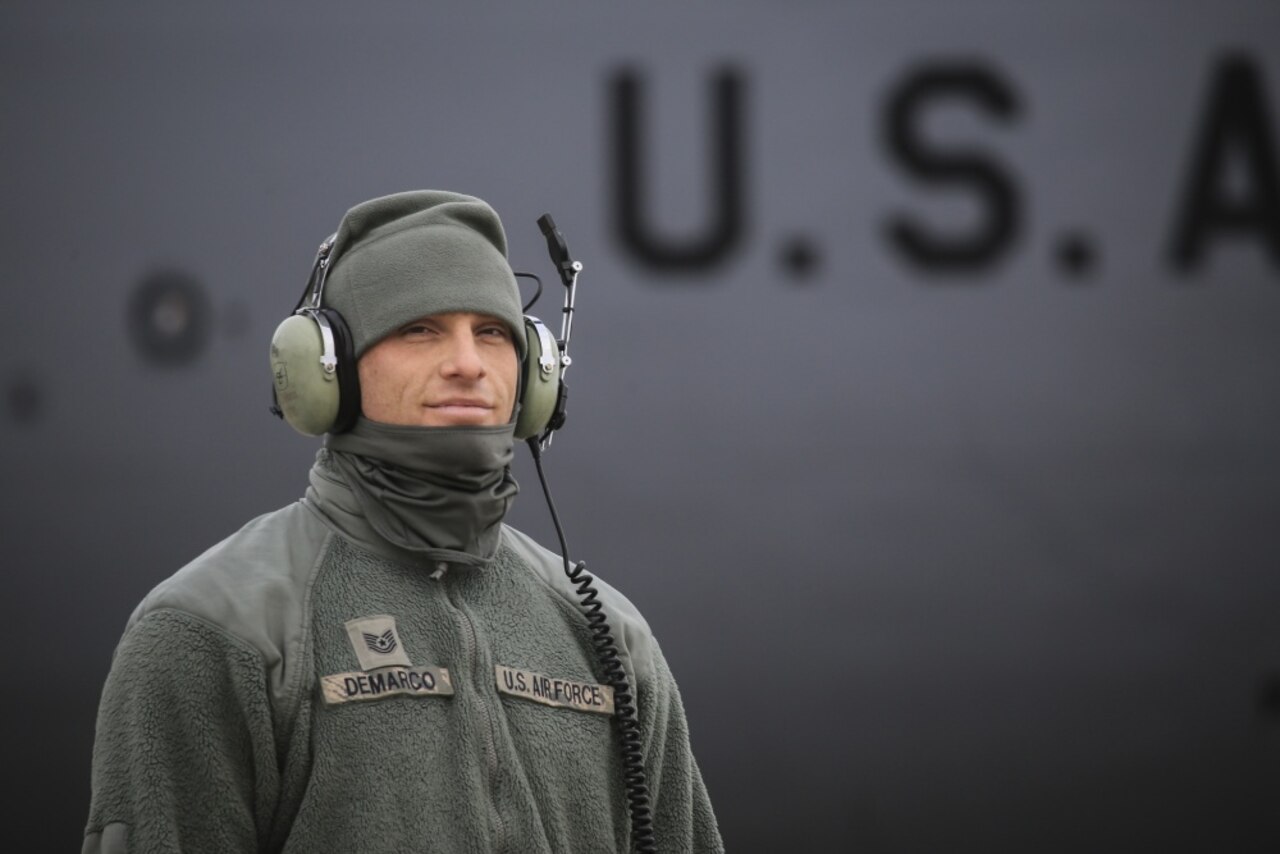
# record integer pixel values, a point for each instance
(926, 384)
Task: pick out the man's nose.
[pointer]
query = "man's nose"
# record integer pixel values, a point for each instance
(463, 359)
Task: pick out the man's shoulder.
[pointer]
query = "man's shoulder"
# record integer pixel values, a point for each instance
(630, 629)
(550, 567)
(250, 585)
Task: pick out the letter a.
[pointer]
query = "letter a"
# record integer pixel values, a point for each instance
(1236, 123)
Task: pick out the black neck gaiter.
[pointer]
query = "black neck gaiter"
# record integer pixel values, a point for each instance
(429, 488)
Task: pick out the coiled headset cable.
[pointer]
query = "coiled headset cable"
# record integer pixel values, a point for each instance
(624, 718)
(629, 741)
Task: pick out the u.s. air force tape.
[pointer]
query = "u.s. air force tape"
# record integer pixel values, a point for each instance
(550, 691)
(386, 682)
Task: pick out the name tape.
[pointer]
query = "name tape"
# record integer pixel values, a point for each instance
(387, 682)
(550, 691)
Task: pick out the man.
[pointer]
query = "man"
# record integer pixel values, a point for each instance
(383, 665)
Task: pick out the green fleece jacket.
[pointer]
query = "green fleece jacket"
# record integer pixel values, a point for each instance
(303, 686)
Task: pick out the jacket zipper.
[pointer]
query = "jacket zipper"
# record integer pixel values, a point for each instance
(471, 640)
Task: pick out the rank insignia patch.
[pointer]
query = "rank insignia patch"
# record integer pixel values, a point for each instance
(383, 643)
(376, 642)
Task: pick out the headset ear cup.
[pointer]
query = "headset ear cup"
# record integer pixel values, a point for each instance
(307, 395)
(540, 379)
(311, 399)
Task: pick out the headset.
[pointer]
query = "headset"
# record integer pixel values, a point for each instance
(316, 387)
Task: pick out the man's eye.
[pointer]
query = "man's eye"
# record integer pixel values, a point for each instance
(497, 331)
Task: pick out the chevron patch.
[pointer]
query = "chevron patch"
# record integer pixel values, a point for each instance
(376, 642)
(383, 643)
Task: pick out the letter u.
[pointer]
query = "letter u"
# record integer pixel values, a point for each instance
(704, 251)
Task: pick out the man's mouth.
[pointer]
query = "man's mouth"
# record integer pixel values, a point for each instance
(460, 403)
(462, 410)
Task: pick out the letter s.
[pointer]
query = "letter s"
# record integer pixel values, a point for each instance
(973, 83)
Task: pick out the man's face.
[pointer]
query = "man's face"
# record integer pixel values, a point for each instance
(444, 370)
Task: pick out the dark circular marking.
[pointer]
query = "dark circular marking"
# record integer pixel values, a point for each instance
(169, 317)
(1269, 697)
(24, 398)
(1076, 255)
(800, 258)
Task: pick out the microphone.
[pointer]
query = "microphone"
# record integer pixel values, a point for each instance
(565, 265)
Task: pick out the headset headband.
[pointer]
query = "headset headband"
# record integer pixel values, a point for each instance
(319, 275)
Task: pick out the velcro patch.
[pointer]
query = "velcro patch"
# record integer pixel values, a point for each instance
(386, 682)
(376, 642)
(550, 691)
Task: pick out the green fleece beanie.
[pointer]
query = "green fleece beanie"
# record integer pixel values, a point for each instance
(409, 255)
